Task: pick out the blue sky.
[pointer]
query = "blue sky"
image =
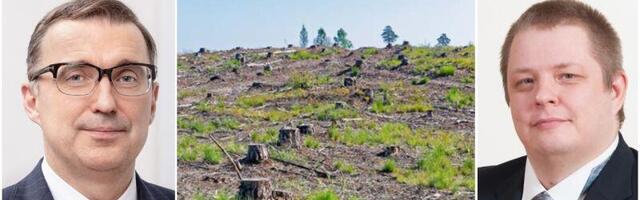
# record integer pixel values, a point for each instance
(225, 24)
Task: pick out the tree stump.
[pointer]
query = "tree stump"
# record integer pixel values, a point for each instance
(388, 151)
(289, 137)
(389, 46)
(405, 43)
(340, 105)
(202, 50)
(368, 95)
(290, 46)
(281, 195)
(257, 153)
(348, 82)
(358, 63)
(306, 129)
(255, 188)
(268, 68)
(269, 54)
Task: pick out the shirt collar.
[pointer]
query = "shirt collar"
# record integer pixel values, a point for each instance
(572, 186)
(62, 190)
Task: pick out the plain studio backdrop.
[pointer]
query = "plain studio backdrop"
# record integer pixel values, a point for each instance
(496, 139)
(22, 144)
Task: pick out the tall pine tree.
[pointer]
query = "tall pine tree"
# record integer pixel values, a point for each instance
(388, 36)
(341, 39)
(322, 39)
(304, 37)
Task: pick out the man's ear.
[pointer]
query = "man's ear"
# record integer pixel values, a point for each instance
(618, 90)
(29, 102)
(154, 100)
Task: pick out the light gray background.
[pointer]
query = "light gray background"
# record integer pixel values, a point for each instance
(496, 139)
(22, 144)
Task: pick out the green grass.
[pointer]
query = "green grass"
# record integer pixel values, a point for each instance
(389, 63)
(326, 194)
(446, 70)
(368, 52)
(345, 167)
(187, 92)
(214, 58)
(251, 101)
(269, 136)
(187, 148)
(230, 64)
(224, 195)
(311, 142)
(303, 55)
(211, 155)
(414, 104)
(285, 154)
(458, 98)
(417, 52)
(355, 71)
(305, 80)
(468, 79)
(389, 166)
(420, 81)
(205, 127)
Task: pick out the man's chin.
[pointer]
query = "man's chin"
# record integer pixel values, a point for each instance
(104, 160)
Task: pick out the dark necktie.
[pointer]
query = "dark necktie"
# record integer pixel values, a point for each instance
(542, 196)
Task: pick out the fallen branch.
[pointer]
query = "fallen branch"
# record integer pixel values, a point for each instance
(228, 156)
(321, 173)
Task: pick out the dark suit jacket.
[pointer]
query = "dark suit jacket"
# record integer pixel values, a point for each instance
(35, 187)
(617, 180)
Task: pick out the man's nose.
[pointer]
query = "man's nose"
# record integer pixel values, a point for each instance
(105, 101)
(546, 92)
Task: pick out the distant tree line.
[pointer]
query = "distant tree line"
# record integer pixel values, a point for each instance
(388, 36)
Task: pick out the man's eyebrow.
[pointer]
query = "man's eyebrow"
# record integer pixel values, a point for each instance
(556, 66)
(125, 61)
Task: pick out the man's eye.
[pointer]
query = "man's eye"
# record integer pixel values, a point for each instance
(75, 77)
(524, 81)
(127, 79)
(567, 76)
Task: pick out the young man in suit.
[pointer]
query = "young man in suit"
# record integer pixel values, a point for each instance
(564, 83)
(92, 90)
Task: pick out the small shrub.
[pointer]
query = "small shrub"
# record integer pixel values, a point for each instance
(211, 155)
(345, 167)
(446, 70)
(231, 64)
(311, 142)
(269, 136)
(368, 52)
(389, 166)
(323, 195)
(420, 81)
(251, 101)
(389, 63)
(303, 55)
(459, 99)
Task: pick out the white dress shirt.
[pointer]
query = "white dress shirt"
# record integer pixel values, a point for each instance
(62, 190)
(570, 187)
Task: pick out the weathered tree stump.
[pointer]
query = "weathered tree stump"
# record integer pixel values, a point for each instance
(269, 54)
(340, 105)
(358, 63)
(215, 77)
(202, 50)
(306, 129)
(389, 151)
(238, 56)
(257, 153)
(255, 188)
(369, 95)
(405, 43)
(268, 68)
(209, 95)
(404, 61)
(281, 195)
(289, 137)
(290, 46)
(349, 82)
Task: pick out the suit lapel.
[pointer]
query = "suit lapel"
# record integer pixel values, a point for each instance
(34, 185)
(618, 177)
(512, 186)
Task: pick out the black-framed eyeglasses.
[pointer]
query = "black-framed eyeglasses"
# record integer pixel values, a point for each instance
(79, 79)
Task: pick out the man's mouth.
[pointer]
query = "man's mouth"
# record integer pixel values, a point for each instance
(550, 122)
(104, 133)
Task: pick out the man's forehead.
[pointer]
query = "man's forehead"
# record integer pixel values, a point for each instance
(563, 45)
(95, 39)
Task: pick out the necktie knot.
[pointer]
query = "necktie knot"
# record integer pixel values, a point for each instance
(542, 196)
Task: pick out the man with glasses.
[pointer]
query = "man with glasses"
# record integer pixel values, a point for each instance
(91, 88)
